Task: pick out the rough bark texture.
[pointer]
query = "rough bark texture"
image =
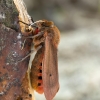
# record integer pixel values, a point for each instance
(11, 40)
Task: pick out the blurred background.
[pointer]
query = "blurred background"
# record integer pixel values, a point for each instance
(79, 48)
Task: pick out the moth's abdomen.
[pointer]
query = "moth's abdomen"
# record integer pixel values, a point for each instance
(36, 79)
(39, 88)
(36, 72)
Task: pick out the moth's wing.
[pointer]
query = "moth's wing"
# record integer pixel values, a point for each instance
(50, 70)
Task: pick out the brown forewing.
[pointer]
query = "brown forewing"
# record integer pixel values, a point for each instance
(50, 69)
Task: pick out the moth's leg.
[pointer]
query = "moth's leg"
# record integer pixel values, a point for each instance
(32, 51)
(39, 34)
(33, 37)
(37, 42)
(23, 44)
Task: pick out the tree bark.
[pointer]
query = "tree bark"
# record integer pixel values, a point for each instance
(12, 69)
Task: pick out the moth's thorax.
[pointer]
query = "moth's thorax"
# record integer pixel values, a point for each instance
(49, 29)
(44, 23)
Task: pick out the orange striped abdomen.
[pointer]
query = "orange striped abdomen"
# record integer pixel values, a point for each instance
(36, 72)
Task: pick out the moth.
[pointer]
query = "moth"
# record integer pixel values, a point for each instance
(44, 69)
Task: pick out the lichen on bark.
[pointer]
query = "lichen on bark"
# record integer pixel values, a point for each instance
(8, 13)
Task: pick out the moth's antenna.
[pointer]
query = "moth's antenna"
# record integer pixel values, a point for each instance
(32, 25)
(24, 22)
(32, 19)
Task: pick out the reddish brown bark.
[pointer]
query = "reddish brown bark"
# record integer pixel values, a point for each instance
(11, 40)
(11, 72)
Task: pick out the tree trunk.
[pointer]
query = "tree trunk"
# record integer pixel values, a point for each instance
(12, 69)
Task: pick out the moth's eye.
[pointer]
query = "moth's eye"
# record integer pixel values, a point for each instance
(27, 29)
